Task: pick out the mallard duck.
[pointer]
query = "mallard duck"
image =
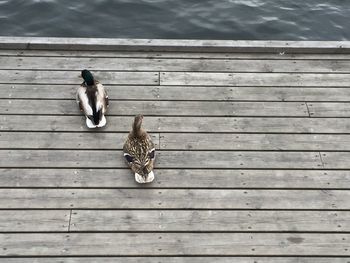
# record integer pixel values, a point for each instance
(92, 100)
(139, 152)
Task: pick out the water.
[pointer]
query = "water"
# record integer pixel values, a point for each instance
(182, 19)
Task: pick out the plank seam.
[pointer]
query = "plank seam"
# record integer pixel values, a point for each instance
(184, 71)
(176, 209)
(257, 150)
(174, 132)
(233, 256)
(307, 107)
(321, 159)
(325, 232)
(70, 219)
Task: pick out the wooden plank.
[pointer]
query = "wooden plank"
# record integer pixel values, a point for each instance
(174, 54)
(119, 44)
(254, 125)
(68, 123)
(253, 79)
(72, 77)
(178, 64)
(179, 178)
(214, 244)
(256, 142)
(173, 199)
(165, 159)
(34, 220)
(227, 159)
(42, 140)
(177, 78)
(20, 91)
(180, 124)
(166, 108)
(172, 259)
(336, 160)
(180, 220)
(324, 109)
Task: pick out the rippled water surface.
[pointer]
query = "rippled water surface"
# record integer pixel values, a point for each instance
(187, 19)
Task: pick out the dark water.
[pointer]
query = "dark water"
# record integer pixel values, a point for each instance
(184, 19)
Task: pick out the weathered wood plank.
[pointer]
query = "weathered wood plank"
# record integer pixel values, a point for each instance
(324, 109)
(69, 123)
(165, 159)
(179, 178)
(278, 142)
(175, 244)
(227, 159)
(180, 124)
(177, 141)
(177, 78)
(57, 140)
(168, 108)
(254, 125)
(207, 259)
(178, 64)
(253, 79)
(119, 44)
(174, 54)
(336, 160)
(180, 220)
(72, 77)
(20, 91)
(173, 199)
(34, 220)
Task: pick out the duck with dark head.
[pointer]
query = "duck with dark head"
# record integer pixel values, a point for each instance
(92, 100)
(139, 152)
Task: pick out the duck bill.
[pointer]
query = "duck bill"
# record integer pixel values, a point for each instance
(90, 124)
(144, 179)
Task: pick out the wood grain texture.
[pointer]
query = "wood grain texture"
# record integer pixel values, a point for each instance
(175, 244)
(165, 159)
(250, 259)
(177, 64)
(173, 199)
(34, 221)
(73, 77)
(228, 159)
(176, 178)
(180, 124)
(41, 140)
(169, 54)
(119, 44)
(277, 142)
(211, 93)
(253, 79)
(163, 108)
(336, 160)
(207, 221)
(323, 109)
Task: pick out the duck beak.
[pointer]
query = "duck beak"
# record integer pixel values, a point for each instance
(150, 177)
(139, 178)
(144, 179)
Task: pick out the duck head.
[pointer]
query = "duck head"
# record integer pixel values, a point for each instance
(142, 166)
(88, 77)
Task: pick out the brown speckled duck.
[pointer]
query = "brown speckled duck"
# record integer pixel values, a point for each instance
(139, 152)
(92, 100)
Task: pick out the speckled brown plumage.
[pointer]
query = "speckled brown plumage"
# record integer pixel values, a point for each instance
(139, 149)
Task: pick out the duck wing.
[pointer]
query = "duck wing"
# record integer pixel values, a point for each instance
(83, 101)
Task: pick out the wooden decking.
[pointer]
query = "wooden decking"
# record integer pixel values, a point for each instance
(253, 152)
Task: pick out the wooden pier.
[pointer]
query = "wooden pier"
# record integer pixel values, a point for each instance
(253, 152)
